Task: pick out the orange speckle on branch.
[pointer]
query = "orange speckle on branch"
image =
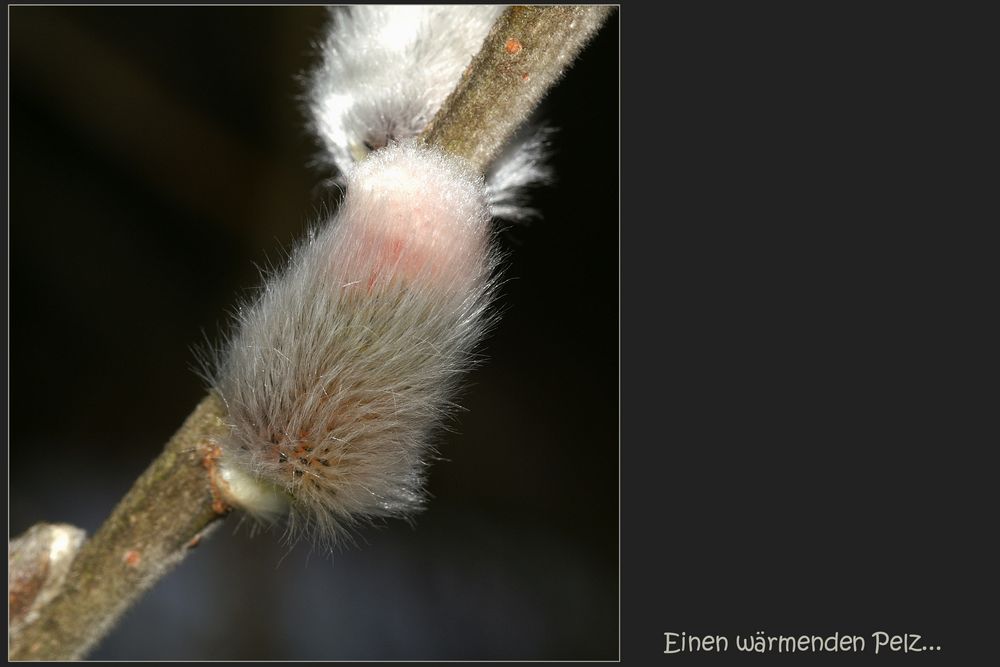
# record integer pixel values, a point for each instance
(513, 46)
(132, 558)
(525, 77)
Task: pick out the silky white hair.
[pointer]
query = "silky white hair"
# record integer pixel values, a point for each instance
(386, 70)
(337, 374)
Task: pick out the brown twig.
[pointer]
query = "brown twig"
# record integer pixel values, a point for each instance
(150, 531)
(527, 51)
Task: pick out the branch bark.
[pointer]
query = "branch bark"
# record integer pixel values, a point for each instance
(161, 518)
(176, 501)
(524, 55)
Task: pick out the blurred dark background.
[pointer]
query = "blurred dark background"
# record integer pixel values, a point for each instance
(157, 154)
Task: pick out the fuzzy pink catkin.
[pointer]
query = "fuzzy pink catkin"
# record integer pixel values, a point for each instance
(338, 374)
(412, 214)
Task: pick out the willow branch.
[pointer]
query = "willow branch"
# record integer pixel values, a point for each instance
(161, 518)
(176, 500)
(524, 55)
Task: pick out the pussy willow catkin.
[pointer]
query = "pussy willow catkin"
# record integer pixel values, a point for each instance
(386, 69)
(384, 72)
(337, 375)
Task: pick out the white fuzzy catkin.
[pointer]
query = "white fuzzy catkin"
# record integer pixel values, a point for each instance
(337, 375)
(386, 70)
